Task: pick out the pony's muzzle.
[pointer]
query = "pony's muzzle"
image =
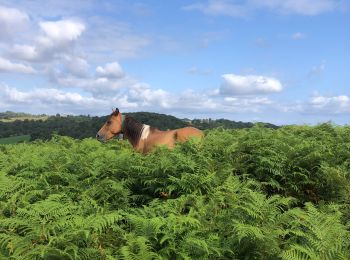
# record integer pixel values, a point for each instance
(100, 137)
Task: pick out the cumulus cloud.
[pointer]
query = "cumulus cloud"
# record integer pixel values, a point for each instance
(189, 100)
(145, 96)
(11, 20)
(218, 7)
(47, 96)
(248, 85)
(97, 86)
(298, 36)
(8, 66)
(319, 105)
(53, 100)
(24, 52)
(328, 105)
(110, 70)
(76, 66)
(114, 39)
(108, 80)
(63, 30)
(138, 96)
(253, 104)
(52, 51)
(56, 40)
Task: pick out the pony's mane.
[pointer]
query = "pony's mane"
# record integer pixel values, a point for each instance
(132, 129)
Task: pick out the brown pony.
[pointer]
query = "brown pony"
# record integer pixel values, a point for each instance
(143, 137)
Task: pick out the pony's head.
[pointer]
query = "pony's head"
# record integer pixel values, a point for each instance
(112, 127)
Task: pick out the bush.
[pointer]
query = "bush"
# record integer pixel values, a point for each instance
(237, 194)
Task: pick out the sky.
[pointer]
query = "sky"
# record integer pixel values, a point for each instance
(277, 61)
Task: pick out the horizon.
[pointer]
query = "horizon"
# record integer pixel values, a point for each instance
(183, 118)
(279, 62)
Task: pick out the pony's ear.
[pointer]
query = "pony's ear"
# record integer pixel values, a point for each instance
(115, 111)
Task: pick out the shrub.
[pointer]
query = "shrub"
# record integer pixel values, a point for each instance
(237, 194)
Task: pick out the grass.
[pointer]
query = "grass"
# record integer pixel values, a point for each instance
(15, 139)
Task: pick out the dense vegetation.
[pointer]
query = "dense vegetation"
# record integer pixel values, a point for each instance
(225, 123)
(80, 127)
(253, 193)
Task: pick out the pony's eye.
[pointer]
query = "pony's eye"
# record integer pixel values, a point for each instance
(109, 122)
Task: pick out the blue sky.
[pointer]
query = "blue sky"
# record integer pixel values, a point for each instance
(256, 60)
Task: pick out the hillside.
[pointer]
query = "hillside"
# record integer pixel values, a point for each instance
(10, 116)
(254, 193)
(79, 127)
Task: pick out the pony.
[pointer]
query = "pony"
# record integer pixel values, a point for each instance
(143, 137)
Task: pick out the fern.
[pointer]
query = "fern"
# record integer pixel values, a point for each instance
(237, 194)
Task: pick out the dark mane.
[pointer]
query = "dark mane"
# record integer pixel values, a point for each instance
(132, 129)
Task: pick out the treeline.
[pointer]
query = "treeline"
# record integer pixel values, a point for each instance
(77, 127)
(225, 123)
(10, 114)
(80, 127)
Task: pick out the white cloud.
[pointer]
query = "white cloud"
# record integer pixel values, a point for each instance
(219, 7)
(98, 86)
(328, 105)
(55, 41)
(52, 101)
(11, 20)
(76, 66)
(242, 9)
(190, 100)
(107, 39)
(253, 104)
(196, 71)
(58, 37)
(8, 66)
(138, 96)
(110, 70)
(320, 105)
(24, 52)
(317, 70)
(300, 7)
(248, 85)
(62, 30)
(47, 96)
(145, 96)
(106, 82)
(298, 36)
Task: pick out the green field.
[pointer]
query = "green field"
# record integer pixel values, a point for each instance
(15, 139)
(253, 193)
(22, 118)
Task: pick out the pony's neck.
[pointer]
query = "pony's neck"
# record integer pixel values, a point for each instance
(135, 131)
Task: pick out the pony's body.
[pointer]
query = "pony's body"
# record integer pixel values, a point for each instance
(143, 137)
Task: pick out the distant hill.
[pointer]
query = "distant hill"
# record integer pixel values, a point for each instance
(42, 127)
(10, 116)
(161, 121)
